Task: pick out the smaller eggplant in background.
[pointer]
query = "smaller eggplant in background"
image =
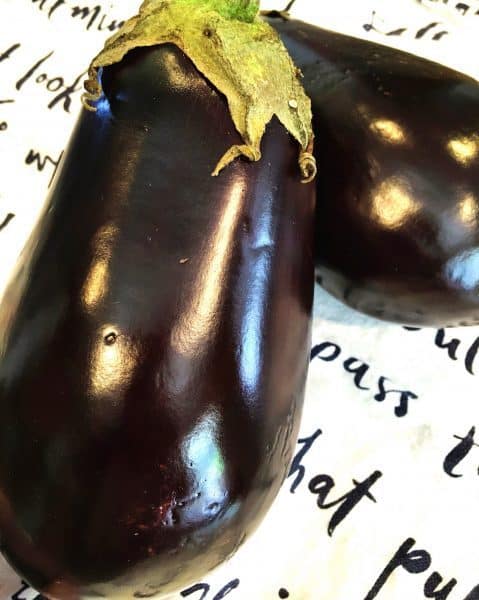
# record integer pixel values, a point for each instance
(154, 340)
(397, 220)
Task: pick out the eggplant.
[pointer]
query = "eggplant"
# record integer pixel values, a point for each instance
(397, 220)
(154, 342)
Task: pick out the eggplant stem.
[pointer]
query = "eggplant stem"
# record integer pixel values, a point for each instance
(307, 163)
(251, 153)
(86, 100)
(244, 60)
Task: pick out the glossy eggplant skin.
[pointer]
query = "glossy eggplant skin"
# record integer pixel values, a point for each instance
(397, 145)
(154, 343)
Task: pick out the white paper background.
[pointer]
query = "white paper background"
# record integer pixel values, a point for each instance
(414, 497)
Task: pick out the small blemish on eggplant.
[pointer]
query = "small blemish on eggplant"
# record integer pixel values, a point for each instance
(110, 338)
(247, 225)
(213, 508)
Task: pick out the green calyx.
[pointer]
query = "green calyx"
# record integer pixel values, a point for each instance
(241, 10)
(238, 53)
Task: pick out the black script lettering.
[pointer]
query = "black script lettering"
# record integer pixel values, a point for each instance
(412, 561)
(41, 162)
(432, 583)
(439, 35)
(6, 221)
(52, 9)
(422, 32)
(8, 53)
(359, 371)
(296, 466)
(57, 4)
(204, 589)
(41, 4)
(474, 593)
(112, 26)
(451, 346)
(329, 352)
(372, 27)
(65, 95)
(321, 485)
(84, 12)
(398, 31)
(319, 351)
(91, 15)
(198, 587)
(462, 8)
(404, 396)
(459, 453)
(471, 355)
(4, 124)
(31, 71)
(229, 587)
(55, 85)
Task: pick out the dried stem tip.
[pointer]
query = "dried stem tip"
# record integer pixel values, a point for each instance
(238, 53)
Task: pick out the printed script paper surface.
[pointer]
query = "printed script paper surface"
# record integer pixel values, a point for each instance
(381, 451)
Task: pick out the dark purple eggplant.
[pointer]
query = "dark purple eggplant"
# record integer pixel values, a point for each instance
(153, 342)
(397, 231)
